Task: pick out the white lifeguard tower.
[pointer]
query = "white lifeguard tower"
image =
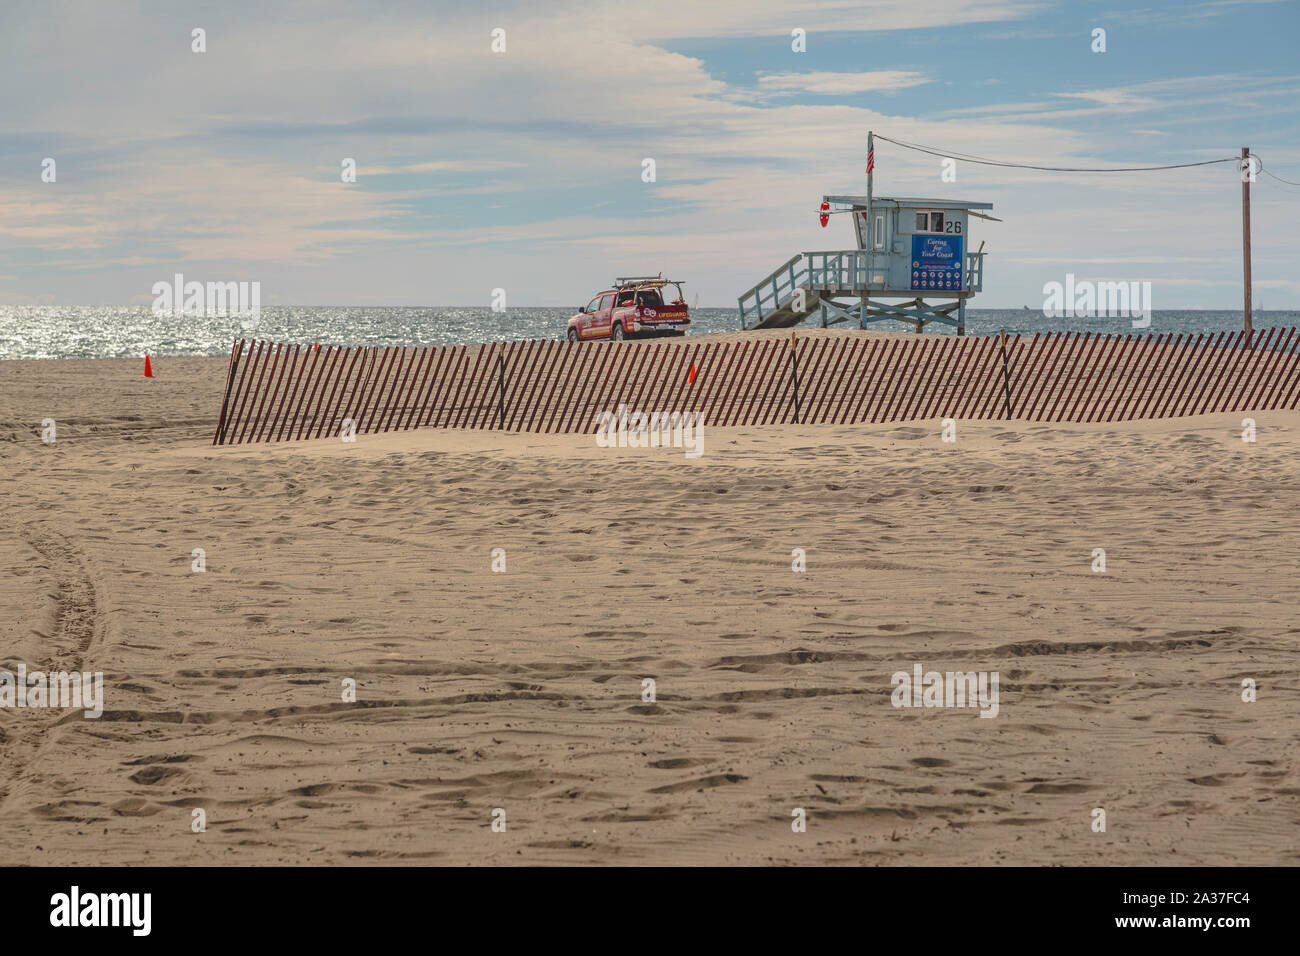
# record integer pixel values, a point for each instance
(911, 264)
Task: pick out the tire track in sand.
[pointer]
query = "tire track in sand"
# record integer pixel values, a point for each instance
(65, 639)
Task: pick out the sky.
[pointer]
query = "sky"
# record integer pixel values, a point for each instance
(522, 170)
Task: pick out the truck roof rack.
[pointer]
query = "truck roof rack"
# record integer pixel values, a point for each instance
(656, 281)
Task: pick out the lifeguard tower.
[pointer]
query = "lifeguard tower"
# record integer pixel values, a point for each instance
(911, 264)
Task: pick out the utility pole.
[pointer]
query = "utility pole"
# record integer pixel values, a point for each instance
(1247, 168)
(867, 230)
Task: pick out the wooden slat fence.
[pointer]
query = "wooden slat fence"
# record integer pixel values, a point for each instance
(280, 392)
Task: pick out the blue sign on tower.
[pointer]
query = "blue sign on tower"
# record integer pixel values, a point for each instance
(936, 263)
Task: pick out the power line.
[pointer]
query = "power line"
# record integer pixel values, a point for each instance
(1287, 181)
(1260, 159)
(1274, 175)
(948, 154)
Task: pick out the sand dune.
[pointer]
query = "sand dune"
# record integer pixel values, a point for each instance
(523, 690)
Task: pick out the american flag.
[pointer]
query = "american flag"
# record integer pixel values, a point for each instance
(871, 157)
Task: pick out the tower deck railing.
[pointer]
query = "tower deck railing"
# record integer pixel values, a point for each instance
(829, 273)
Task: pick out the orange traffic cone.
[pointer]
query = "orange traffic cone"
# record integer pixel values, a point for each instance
(148, 369)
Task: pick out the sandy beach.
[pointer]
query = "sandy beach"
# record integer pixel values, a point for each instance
(522, 690)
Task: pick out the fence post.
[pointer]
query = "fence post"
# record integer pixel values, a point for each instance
(501, 384)
(794, 363)
(1006, 379)
(235, 351)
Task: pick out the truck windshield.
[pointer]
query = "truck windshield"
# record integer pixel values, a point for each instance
(649, 298)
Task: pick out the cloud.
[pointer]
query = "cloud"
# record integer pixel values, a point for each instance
(522, 169)
(1248, 94)
(1185, 13)
(444, 166)
(841, 83)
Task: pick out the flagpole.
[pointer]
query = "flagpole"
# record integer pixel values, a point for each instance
(1246, 168)
(870, 230)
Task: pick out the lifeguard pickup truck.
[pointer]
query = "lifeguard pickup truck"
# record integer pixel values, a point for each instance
(635, 308)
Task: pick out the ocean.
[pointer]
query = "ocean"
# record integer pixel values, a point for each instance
(28, 332)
